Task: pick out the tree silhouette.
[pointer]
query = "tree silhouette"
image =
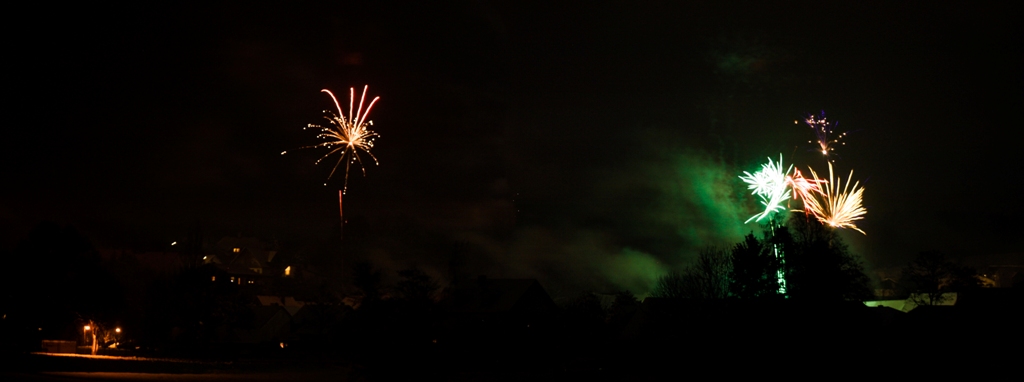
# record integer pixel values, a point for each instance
(671, 285)
(621, 311)
(367, 279)
(583, 318)
(710, 275)
(61, 283)
(416, 286)
(819, 264)
(414, 307)
(932, 274)
(191, 249)
(754, 269)
(707, 278)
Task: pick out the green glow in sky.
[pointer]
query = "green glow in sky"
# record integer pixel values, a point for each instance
(700, 198)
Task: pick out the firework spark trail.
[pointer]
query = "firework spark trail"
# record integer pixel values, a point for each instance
(770, 184)
(347, 135)
(835, 207)
(822, 130)
(804, 190)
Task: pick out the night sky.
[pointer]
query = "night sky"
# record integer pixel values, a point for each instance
(591, 144)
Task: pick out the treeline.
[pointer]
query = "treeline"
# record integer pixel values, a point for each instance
(801, 259)
(63, 284)
(805, 260)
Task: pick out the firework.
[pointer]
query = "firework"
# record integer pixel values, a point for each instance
(804, 189)
(770, 184)
(347, 135)
(837, 204)
(823, 131)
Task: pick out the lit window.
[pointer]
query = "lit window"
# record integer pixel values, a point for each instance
(288, 270)
(214, 278)
(236, 250)
(232, 279)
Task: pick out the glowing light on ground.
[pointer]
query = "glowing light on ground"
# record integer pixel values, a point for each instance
(837, 204)
(347, 135)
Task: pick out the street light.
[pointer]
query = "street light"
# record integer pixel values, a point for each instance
(87, 327)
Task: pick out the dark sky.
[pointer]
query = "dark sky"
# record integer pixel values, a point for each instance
(593, 144)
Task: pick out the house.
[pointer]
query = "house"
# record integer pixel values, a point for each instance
(288, 303)
(245, 260)
(59, 346)
(999, 270)
(270, 325)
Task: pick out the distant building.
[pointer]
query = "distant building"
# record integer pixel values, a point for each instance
(245, 261)
(289, 303)
(59, 346)
(271, 324)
